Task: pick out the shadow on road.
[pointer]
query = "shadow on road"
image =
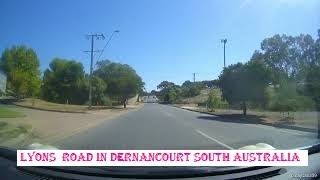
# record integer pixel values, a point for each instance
(255, 119)
(236, 118)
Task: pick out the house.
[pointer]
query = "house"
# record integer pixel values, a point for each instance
(3, 82)
(150, 99)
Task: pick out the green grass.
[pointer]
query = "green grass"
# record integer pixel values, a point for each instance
(3, 124)
(8, 113)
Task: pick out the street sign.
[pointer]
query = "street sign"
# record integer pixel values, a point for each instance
(3, 82)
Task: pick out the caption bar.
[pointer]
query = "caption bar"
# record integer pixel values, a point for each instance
(162, 158)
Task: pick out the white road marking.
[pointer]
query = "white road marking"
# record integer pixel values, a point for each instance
(168, 114)
(213, 139)
(276, 129)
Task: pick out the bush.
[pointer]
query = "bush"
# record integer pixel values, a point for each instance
(172, 97)
(190, 91)
(106, 101)
(286, 98)
(215, 101)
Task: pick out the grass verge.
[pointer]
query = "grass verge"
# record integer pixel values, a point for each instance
(8, 113)
(15, 135)
(48, 106)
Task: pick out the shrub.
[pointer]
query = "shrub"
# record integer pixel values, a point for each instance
(215, 101)
(106, 101)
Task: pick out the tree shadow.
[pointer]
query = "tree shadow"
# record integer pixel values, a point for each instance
(285, 123)
(235, 118)
(8, 100)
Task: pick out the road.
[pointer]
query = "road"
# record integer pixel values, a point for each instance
(162, 127)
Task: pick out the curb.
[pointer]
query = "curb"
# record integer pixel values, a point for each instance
(66, 111)
(305, 129)
(202, 112)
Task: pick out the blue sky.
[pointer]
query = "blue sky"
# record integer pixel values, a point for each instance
(161, 39)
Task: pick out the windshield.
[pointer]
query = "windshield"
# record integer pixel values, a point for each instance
(159, 75)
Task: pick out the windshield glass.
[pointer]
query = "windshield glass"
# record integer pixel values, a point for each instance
(159, 75)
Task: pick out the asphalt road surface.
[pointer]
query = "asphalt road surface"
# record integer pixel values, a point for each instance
(162, 127)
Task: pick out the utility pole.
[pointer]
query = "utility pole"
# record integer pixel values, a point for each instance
(224, 41)
(194, 77)
(92, 37)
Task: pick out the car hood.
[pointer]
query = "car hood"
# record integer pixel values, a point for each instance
(259, 146)
(39, 146)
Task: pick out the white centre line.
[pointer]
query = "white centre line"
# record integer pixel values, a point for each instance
(213, 139)
(169, 114)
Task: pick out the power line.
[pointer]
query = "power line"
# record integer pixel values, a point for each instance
(116, 31)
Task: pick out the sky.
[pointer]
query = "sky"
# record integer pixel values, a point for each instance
(161, 39)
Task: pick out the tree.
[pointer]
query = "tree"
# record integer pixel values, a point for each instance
(241, 83)
(187, 84)
(215, 100)
(169, 92)
(123, 81)
(171, 96)
(285, 98)
(289, 57)
(154, 92)
(21, 65)
(99, 88)
(190, 91)
(210, 84)
(64, 82)
(165, 85)
(312, 83)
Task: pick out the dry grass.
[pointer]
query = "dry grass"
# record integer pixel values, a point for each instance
(307, 119)
(44, 105)
(12, 133)
(49, 106)
(199, 99)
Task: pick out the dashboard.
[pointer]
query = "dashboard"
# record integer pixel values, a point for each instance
(9, 170)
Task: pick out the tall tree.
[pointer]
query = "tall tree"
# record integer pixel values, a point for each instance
(99, 96)
(165, 85)
(123, 81)
(64, 82)
(312, 83)
(289, 57)
(187, 84)
(241, 83)
(21, 65)
(168, 92)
